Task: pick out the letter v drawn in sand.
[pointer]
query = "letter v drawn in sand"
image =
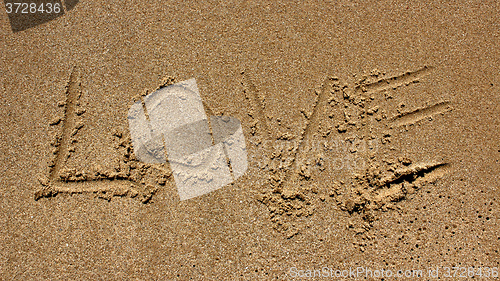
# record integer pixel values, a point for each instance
(287, 192)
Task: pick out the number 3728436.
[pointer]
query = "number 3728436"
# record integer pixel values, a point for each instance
(33, 8)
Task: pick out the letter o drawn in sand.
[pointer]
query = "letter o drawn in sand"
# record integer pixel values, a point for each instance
(170, 124)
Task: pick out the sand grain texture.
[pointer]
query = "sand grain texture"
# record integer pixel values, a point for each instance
(371, 132)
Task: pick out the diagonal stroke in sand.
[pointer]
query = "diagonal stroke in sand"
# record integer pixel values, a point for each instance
(394, 82)
(420, 114)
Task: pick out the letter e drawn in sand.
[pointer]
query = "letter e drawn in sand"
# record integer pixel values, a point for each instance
(358, 113)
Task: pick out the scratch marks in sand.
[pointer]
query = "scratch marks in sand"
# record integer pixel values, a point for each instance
(73, 93)
(311, 128)
(256, 101)
(421, 113)
(424, 172)
(393, 82)
(378, 190)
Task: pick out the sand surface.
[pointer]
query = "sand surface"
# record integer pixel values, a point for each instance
(372, 133)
